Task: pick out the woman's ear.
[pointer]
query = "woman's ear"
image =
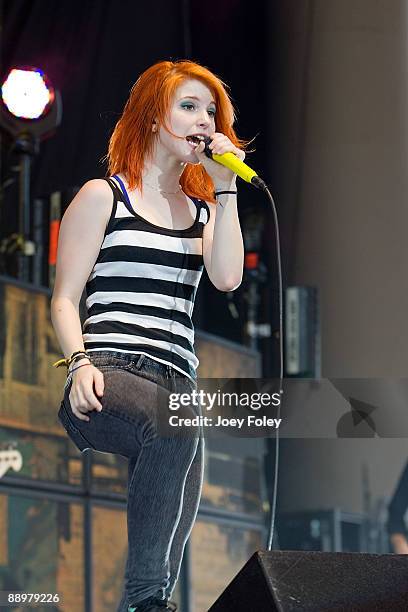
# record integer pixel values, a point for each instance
(154, 126)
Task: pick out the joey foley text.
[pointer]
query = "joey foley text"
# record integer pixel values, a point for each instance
(220, 400)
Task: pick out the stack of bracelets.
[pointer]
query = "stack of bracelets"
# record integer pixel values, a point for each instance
(77, 356)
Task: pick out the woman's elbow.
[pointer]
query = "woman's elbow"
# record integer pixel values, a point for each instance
(228, 284)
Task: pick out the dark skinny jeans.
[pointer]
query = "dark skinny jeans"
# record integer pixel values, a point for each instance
(165, 473)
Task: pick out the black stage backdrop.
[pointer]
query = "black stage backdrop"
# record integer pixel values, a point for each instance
(94, 51)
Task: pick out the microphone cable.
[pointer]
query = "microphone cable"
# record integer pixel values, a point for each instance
(271, 532)
(250, 176)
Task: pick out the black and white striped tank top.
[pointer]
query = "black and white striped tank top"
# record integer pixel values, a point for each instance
(141, 291)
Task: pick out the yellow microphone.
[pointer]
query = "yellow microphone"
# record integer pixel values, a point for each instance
(231, 161)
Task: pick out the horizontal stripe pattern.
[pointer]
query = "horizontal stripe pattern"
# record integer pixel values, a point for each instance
(105, 299)
(142, 285)
(151, 256)
(134, 269)
(133, 321)
(145, 338)
(179, 316)
(152, 240)
(141, 290)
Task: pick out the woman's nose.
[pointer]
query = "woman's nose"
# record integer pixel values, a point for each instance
(204, 119)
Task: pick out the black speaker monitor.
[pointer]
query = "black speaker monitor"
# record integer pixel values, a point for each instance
(299, 581)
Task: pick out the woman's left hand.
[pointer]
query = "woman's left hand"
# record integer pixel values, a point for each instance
(220, 144)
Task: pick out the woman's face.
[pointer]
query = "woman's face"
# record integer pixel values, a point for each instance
(192, 112)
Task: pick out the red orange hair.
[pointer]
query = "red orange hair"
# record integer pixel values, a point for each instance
(150, 99)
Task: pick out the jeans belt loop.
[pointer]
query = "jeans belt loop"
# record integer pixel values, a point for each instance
(139, 361)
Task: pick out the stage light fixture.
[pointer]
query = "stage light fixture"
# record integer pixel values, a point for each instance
(27, 93)
(30, 111)
(29, 105)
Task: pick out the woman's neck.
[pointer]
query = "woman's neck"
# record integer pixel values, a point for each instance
(163, 172)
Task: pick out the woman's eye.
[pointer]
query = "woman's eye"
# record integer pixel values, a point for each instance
(211, 112)
(188, 106)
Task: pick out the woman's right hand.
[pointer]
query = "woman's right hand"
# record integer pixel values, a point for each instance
(82, 397)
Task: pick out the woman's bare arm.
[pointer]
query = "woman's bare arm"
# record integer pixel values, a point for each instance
(80, 238)
(223, 246)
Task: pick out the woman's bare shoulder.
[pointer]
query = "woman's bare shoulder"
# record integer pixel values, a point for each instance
(96, 189)
(95, 198)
